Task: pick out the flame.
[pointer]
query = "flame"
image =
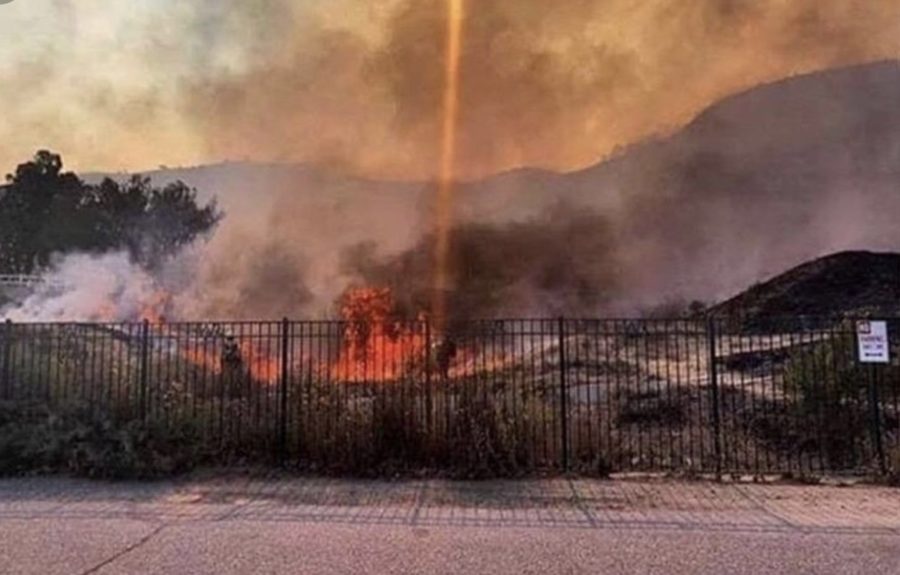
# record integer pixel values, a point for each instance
(245, 357)
(375, 346)
(444, 209)
(153, 308)
(203, 357)
(106, 312)
(259, 363)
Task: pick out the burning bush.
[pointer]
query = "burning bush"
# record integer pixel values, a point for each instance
(377, 345)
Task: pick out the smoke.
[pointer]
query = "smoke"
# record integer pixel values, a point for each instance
(756, 184)
(562, 262)
(542, 85)
(354, 88)
(356, 85)
(277, 251)
(235, 280)
(83, 287)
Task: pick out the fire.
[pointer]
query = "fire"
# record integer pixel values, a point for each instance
(261, 366)
(153, 308)
(204, 358)
(376, 346)
(231, 354)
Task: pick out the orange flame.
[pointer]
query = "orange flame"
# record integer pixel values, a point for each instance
(376, 347)
(260, 364)
(203, 358)
(241, 355)
(154, 307)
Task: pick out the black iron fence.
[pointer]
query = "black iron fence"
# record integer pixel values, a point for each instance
(510, 396)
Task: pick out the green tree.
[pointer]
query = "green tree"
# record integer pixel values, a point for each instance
(45, 211)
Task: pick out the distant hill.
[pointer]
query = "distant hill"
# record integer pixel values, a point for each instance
(759, 182)
(843, 284)
(763, 181)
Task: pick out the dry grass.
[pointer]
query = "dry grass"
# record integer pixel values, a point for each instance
(634, 401)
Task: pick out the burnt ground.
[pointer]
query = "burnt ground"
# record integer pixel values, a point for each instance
(855, 283)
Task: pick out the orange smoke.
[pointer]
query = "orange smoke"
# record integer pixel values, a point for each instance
(444, 208)
(152, 309)
(376, 347)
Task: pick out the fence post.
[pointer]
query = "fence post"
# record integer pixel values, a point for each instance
(563, 395)
(429, 401)
(144, 366)
(285, 381)
(875, 419)
(7, 392)
(714, 387)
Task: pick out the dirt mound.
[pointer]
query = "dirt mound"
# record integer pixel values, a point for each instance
(843, 284)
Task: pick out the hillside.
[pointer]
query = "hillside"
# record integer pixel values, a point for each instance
(847, 283)
(763, 181)
(758, 183)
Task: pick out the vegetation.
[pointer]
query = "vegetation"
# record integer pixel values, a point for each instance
(470, 428)
(45, 211)
(829, 398)
(90, 400)
(90, 442)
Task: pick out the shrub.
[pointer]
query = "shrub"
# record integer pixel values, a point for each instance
(828, 400)
(485, 438)
(89, 442)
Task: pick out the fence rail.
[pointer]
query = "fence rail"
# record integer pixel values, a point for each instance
(17, 280)
(696, 396)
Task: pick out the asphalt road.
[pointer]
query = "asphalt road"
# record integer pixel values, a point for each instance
(283, 525)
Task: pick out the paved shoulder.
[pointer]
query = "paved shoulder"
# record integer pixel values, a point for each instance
(290, 525)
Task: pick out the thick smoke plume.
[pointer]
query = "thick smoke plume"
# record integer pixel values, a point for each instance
(84, 287)
(758, 183)
(562, 262)
(356, 84)
(354, 88)
(542, 84)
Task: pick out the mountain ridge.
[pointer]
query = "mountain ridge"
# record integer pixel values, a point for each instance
(758, 182)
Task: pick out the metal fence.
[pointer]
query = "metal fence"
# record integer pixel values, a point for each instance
(506, 396)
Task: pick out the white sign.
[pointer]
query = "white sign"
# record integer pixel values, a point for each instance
(872, 337)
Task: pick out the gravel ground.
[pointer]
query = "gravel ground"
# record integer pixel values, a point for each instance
(252, 524)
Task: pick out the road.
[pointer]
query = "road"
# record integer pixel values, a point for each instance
(276, 524)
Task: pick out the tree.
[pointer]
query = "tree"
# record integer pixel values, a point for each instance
(151, 223)
(31, 204)
(46, 211)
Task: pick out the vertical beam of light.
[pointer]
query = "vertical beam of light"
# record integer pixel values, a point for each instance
(444, 207)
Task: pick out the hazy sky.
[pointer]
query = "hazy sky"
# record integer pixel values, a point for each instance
(115, 84)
